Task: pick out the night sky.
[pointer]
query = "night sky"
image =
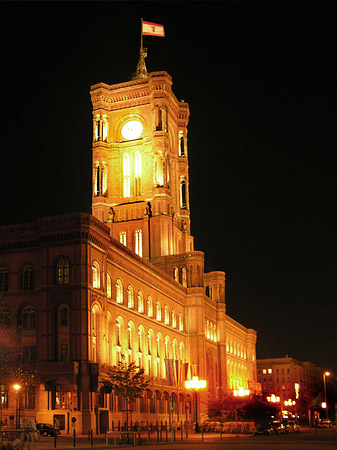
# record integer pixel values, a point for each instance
(261, 84)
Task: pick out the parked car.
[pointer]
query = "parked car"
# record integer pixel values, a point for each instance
(324, 424)
(263, 428)
(46, 429)
(278, 427)
(291, 426)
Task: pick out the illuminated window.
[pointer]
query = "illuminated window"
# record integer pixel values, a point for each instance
(95, 275)
(149, 307)
(207, 330)
(130, 297)
(176, 274)
(122, 237)
(118, 334)
(119, 291)
(138, 173)
(126, 175)
(149, 343)
(140, 302)
(166, 345)
(270, 370)
(3, 279)
(62, 272)
(28, 278)
(184, 276)
(108, 286)
(100, 129)
(166, 315)
(158, 310)
(3, 396)
(181, 324)
(138, 243)
(100, 183)
(215, 335)
(264, 371)
(181, 144)
(183, 194)
(129, 337)
(174, 318)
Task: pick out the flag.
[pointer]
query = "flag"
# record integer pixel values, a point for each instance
(170, 372)
(153, 29)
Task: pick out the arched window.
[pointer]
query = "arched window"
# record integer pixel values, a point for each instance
(166, 315)
(28, 318)
(108, 286)
(184, 276)
(122, 237)
(129, 336)
(176, 274)
(181, 144)
(3, 279)
(100, 129)
(183, 192)
(126, 175)
(174, 318)
(138, 173)
(5, 315)
(28, 278)
(139, 242)
(130, 297)
(3, 396)
(166, 347)
(95, 275)
(158, 310)
(140, 302)
(181, 323)
(119, 291)
(62, 272)
(149, 307)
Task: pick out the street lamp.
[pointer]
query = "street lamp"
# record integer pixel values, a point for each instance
(195, 385)
(325, 374)
(17, 388)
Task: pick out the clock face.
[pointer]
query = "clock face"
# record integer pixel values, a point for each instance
(132, 130)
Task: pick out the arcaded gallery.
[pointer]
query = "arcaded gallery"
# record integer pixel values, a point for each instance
(83, 291)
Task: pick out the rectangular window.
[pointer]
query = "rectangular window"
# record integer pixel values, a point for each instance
(139, 243)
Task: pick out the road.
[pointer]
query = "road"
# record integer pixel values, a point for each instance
(325, 439)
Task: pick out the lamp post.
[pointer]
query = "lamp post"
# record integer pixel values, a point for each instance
(325, 374)
(17, 388)
(195, 385)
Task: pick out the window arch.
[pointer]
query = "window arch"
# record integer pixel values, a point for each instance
(62, 272)
(181, 143)
(28, 278)
(140, 298)
(122, 237)
(108, 285)
(183, 194)
(166, 315)
(95, 275)
(184, 276)
(176, 274)
(126, 175)
(158, 310)
(139, 242)
(3, 279)
(119, 291)
(28, 321)
(138, 172)
(149, 307)
(100, 180)
(5, 315)
(167, 347)
(130, 293)
(180, 322)
(174, 319)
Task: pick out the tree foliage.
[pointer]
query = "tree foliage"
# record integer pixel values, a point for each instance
(127, 380)
(258, 409)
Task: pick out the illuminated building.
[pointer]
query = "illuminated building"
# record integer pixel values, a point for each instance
(87, 290)
(290, 379)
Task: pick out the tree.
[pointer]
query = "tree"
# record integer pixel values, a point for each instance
(127, 381)
(258, 408)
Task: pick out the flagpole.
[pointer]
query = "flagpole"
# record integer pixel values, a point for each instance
(141, 34)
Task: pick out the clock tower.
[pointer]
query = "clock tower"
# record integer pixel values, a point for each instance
(140, 166)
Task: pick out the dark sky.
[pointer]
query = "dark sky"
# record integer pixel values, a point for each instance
(261, 83)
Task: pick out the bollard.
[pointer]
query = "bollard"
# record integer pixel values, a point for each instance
(91, 438)
(149, 436)
(202, 435)
(181, 431)
(161, 431)
(220, 435)
(166, 432)
(55, 437)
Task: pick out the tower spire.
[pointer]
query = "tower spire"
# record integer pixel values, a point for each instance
(141, 71)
